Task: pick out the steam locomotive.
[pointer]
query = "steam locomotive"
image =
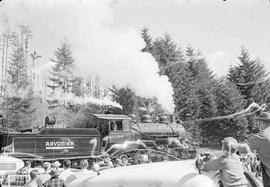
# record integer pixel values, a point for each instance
(88, 139)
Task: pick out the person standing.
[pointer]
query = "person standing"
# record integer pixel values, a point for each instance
(260, 143)
(25, 172)
(33, 182)
(43, 177)
(83, 172)
(229, 165)
(67, 175)
(56, 165)
(54, 181)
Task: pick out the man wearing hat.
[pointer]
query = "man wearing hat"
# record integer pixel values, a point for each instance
(55, 181)
(229, 164)
(43, 177)
(261, 143)
(56, 165)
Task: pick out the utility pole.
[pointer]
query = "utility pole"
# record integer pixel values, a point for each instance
(3, 62)
(34, 55)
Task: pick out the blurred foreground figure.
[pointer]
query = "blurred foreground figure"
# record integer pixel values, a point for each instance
(84, 172)
(67, 175)
(33, 182)
(43, 177)
(229, 165)
(21, 181)
(261, 144)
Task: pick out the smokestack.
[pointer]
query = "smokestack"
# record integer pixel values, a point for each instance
(172, 118)
(163, 119)
(146, 118)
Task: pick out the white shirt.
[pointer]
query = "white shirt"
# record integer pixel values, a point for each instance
(67, 175)
(43, 177)
(85, 173)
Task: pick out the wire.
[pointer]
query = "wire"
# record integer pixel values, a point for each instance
(250, 83)
(250, 110)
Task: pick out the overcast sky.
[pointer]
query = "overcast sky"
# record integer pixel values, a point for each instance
(105, 35)
(218, 28)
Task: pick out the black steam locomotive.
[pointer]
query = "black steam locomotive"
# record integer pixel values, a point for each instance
(87, 140)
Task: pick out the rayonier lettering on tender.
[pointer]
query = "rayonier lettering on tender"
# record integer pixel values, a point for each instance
(59, 144)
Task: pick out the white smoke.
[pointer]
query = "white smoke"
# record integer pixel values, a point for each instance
(73, 99)
(14, 91)
(98, 47)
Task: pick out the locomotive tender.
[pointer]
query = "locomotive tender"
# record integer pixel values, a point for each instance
(51, 143)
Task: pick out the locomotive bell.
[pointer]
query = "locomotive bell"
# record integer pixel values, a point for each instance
(132, 116)
(163, 119)
(146, 118)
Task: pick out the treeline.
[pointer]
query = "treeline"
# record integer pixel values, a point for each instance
(199, 93)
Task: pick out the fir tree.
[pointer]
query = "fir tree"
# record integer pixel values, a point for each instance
(192, 82)
(77, 86)
(167, 54)
(61, 74)
(125, 97)
(148, 40)
(17, 75)
(249, 75)
(251, 78)
(61, 83)
(228, 101)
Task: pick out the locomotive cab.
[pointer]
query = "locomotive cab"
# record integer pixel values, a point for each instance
(114, 129)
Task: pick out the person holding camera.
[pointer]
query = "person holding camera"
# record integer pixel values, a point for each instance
(229, 165)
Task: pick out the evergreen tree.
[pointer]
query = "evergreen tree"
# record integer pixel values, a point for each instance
(149, 105)
(125, 97)
(17, 75)
(167, 54)
(228, 101)
(133, 104)
(61, 74)
(77, 86)
(148, 40)
(251, 78)
(192, 83)
(19, 113)
(61, 83)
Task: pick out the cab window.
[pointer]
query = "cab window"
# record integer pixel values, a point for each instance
(116, 125)
(119, 125)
